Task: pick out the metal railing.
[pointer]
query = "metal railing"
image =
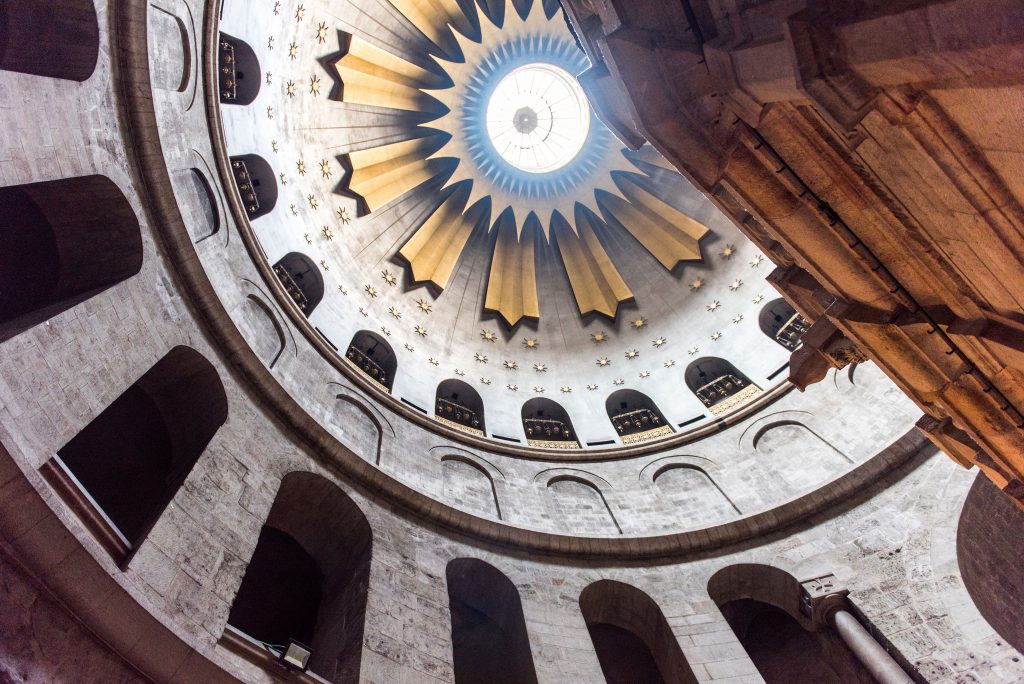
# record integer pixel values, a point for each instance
(367, 365)
(292, 288)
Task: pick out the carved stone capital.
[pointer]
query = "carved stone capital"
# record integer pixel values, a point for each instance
(820, 599)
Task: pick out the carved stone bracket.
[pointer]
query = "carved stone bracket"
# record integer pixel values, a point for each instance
(823, 346)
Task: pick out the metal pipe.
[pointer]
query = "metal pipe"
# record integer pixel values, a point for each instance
(876, 659)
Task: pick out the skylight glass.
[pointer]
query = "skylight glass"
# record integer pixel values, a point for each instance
(538, 118)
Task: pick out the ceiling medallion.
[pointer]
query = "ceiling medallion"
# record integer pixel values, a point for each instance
(506, 140)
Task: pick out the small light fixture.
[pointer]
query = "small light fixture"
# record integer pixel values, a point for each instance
(296, 656)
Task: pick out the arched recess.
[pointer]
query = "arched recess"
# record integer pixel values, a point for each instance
(199, 202)
(719, 385)
(695, 498)
(238, 71)
(302, 280)
(268, 334)
(459, 405)
(62, 242)
(468, 485)
(256, 183)
(547, 425)
(581, 503)
(125, 466)
(635, 417)
(633, 640)
(371, 354)
(489, 640)
(988, 553)
(42, 38)
(360, 429)
(308, 576)
(801, 456)
(781, 322)
(762, 606)
(170, 53)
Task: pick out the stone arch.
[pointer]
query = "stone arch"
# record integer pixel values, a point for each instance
(269, 338)
(988, 554)
(359, 427)
(256, 184)
(718, 384)
(762, 605)
(130, 460)
(302, 280)
(239, 76)
(489, 638)
(546, 423)
(580, 500)
(171, 55)
(781, 322)
(372, 354)
(693, 494)
(457, 402)
(800, 455)
(635, 416)
(201, 204)
(61, 242)
(37, 39)
(308, 575)
(469, 484)
(632, 638)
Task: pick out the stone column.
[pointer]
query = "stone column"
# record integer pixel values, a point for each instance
(825, 603)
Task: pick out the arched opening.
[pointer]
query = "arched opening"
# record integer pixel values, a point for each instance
(988, 554)
(632, 638)
(62, 242)
(489, 640)
(374, 357)
(43, 39)
(719, 385)
(302, 280)
(256, 183)
(547, 425)
(635, 417)
(239, 75)
(781, 322)
(307, 578)
(762, 605)
(131, 459)
(460, 406)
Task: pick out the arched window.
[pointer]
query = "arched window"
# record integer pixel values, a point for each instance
(633, 640)
(762, 605)
(239, 75)
(124, 467)
(307, 579)
(780, 321)
(635, 417)
(547, 425)
(301, 279)
(45, 39)
(719, 385)
(256, 184)
(62, 242)
(373, 356)
(489, 640)
(460, 405)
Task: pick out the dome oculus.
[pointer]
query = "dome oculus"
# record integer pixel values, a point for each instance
(538, 118)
